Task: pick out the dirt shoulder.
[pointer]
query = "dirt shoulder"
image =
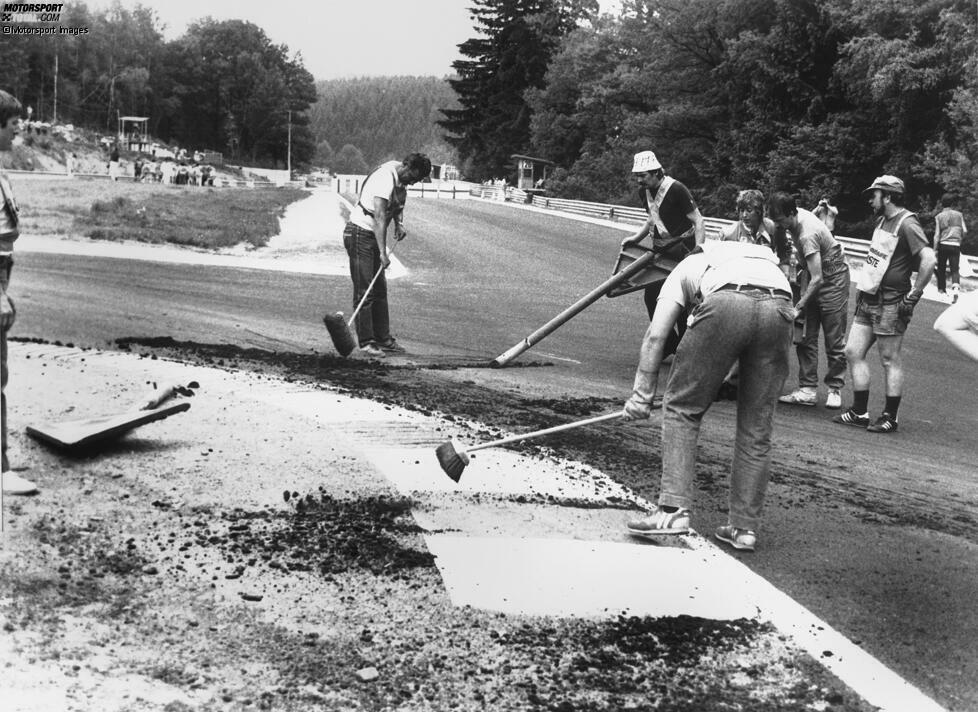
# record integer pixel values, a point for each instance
(243, 556)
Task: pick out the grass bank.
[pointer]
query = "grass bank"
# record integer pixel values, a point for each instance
(200, 217)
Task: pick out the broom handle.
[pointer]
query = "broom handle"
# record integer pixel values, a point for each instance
(369, 287)
(546, 431)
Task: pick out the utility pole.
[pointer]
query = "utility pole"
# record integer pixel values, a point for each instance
(54, 119)
(289, 153)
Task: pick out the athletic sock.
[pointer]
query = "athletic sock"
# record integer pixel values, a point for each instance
(860, 401)
(892, 406)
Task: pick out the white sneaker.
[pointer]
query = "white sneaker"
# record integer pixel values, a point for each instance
(955, 292)
(834, 399)
(803, 396)
(372, 350)
(15, 484)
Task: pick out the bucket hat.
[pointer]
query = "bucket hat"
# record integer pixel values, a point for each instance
(645, 161)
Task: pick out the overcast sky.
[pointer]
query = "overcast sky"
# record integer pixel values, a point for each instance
(341, 38)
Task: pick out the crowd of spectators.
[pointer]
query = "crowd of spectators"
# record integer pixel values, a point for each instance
(163, 166)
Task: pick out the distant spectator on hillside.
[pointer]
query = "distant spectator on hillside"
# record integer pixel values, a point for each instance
(114, 162)
(70, 163)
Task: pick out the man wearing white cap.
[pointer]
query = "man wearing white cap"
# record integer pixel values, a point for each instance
(672, 214)
(885, 301)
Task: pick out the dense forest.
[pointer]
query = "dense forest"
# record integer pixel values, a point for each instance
(221, 86)
(362, 122)
(816, 97)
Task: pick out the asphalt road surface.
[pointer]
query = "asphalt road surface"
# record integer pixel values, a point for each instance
(894, 565)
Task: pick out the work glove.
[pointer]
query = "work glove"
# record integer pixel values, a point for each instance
(905, 308)
(639, 406)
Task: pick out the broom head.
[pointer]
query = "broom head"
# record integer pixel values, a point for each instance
(339, 332)
(451, 460)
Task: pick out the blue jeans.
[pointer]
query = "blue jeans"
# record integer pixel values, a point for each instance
(750, 328)
(828, 311)
(373, 322)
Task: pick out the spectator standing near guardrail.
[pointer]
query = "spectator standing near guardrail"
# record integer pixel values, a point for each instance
(827, 213)
(885, 301)
(10, 117)
(673, 214)
(381, 201)
(949, 232)
(823, 302)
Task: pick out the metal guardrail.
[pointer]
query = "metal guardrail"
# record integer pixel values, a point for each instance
(855, 248)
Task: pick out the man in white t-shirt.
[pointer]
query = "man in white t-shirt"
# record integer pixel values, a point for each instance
(380, 203)
(740, 311)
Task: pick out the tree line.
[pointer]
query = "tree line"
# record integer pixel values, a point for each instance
(362, 122)
(222, 85)
(815, 97)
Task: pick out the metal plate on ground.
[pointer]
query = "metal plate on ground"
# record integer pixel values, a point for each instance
(85, 431)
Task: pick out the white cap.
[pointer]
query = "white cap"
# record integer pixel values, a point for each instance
(645, 161)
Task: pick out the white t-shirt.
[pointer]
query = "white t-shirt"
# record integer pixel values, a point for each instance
(382, 183)
(723, 263)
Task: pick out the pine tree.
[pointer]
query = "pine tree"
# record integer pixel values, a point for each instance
(518, 38)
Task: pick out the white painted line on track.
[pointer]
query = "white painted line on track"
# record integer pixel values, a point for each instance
(543, 354)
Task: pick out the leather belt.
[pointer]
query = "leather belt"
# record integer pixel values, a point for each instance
(752, 288)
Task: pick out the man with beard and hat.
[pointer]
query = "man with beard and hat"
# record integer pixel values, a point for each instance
(885, 300)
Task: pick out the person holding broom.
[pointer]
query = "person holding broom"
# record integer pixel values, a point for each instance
(381, 202)
(740, 311)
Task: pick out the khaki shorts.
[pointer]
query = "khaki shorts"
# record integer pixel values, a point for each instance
(884, 317)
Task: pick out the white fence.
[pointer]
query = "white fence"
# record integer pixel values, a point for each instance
(855, 248)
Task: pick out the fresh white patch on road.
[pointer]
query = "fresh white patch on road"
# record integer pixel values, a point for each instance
(567, 578)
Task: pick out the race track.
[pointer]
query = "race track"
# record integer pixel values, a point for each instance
(876, 534)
